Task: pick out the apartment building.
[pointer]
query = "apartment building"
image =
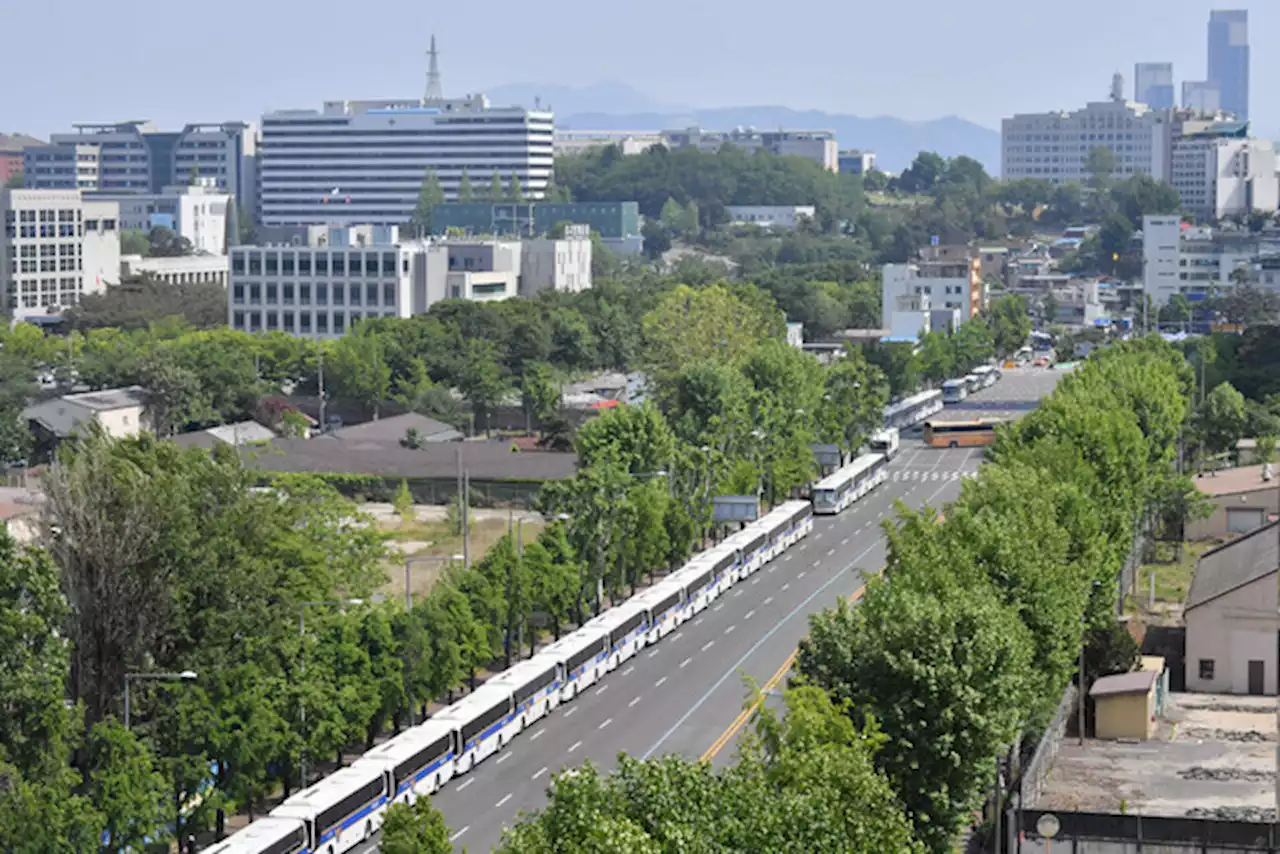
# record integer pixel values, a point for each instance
(56, 247)
(948, 280)
(355, 162)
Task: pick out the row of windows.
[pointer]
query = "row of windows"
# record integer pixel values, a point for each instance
(337, 264)
(284, 294)
(300, 323)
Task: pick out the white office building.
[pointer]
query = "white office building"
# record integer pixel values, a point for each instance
(786, 217)
(1055, 146)
(1197, 261)
(946, 290)
(856, 162)
(1224, 173)
(198, 213)
(56, 247)
(332, 278)
(629, 142)
(817, 145)
(364, 161)
(136, 158)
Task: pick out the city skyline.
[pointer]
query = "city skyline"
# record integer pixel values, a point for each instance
(733, 60)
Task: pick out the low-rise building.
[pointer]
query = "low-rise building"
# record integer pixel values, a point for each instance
(816, 145)
(1231, 616)
(951, 282)
(610, 220)
(1125, 705)
(629, 142)
(179, 270)
(197, 212)
(121, 412)
(344, 275)
(56, 247)
(1243, 499)
(770, 216)
(1199, 261)
(1220, 171)
(855, 162)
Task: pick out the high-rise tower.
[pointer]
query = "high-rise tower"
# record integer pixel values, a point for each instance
(1229, 59)
(434, 91)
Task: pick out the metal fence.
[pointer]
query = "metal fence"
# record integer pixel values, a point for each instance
(1037, 768)
(1160, 833)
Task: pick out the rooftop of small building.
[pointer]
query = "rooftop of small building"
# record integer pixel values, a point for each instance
(110, 398)
(1235, 480)
(1213, 757)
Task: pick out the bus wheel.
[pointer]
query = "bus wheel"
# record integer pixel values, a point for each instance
(368, 830)
(954, 444)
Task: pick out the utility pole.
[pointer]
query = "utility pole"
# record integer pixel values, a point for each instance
(320, 383)
(466, 522)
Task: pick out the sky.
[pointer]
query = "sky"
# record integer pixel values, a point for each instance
(982, 60)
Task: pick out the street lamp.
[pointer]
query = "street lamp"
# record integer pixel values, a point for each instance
(302, 668)
(184, 676)
(409, 561)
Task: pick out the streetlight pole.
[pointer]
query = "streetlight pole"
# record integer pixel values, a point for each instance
(302, 668)
(184, 676)
(410, 561)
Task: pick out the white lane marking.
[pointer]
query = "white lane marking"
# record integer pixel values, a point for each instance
(633, 703)
(569, 713)
(629, 670)
(721, 605)
(658, 684)
(454, 837)
(468, 783)
(799, 575)
(767, 601)
(817, 562)
(755, 581)
(818, 536)
(738, 592)
(786, 586)
(676, 636)
(749, 615)
(503, 758)
(730, 629)
(788, 557)
(685, 663)
(539, 773)
(655, 652)
(575, 746)
(772, 568)
(606, 722)
(706, 646)
(830, 552)
(601, 690)
(845, 541)
(763, 639)
(537, 735)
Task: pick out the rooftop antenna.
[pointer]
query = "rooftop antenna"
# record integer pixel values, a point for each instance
(434, 90)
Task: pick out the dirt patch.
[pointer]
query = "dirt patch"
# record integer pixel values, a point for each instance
(1226, 775)
(1238, 736)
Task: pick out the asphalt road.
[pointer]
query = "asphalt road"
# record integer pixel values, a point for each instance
(681, 695)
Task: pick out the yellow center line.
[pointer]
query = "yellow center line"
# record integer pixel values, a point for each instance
(747, 713)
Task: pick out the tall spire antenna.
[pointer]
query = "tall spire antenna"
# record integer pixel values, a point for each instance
(434, 90)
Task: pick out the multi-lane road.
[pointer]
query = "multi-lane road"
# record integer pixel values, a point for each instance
(684, 695)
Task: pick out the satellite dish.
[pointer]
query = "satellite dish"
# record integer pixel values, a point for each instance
(1048, 825)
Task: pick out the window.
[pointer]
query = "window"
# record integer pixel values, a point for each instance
(272, 321)
(288, 294)
(237, 265)
(304, 265)
(370, 294)
(237, 295)
(339, 293)
(388, 264)
(273, 264)
(304, 295)
(355, 295)
(238, 320)
(1206, 668)
(339, 323)
(322, 265)
(288, 321)
(322, 323)
(286, 265)
(357, 264)
(255, 265)
(304, 323)
(339, 265)
(388, 294)
(322, 294)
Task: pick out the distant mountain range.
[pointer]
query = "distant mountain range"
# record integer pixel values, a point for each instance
(617, 106)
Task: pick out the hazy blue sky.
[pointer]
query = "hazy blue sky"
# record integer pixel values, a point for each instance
(980, 59)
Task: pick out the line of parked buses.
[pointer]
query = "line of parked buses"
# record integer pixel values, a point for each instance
(347, 807)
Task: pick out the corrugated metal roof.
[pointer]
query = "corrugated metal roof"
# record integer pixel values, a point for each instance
(1232, 565)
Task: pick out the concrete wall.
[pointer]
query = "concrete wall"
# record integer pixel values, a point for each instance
(1216, 525)
(1231, 631)
(1125, 716)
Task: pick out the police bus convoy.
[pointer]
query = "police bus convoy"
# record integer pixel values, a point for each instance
(348, 806)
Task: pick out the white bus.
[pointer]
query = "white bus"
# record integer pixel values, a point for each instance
(787, 524)
(535, 688)
(913, 410)
(265, 836)
(751, 545)
(705, 577)
(954, 391)
(341, 811)
(416, 763)
(837, 491)
(627, 626)
(482, 723)
(583, 657)
(973, 382)
(665, 609)
(885, 442)
(987, 375)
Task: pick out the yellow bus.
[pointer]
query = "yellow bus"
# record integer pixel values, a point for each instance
(961, 434)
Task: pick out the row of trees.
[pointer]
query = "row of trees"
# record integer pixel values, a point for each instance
(902, 703)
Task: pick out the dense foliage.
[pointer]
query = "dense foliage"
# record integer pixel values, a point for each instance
(972, 639)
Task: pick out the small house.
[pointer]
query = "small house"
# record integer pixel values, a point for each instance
(1125, 705)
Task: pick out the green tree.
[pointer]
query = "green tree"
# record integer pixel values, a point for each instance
(714, 322)
(403, 502)
(657, 240)
(1009, 324)
(637, 437)
(165, 243)
(539, 394)
(554, 576)
(1176, 311)
(356, 366)
(515, 192)
(416, 829)
(854, 396)
(1222, 418)
(1265, 451)
(937, 357)
(430, 195)
(495, 192)
(480, 379)
(1100, 164)
(126, 786)
(134, 242)
(466, 193)
(174, 396)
